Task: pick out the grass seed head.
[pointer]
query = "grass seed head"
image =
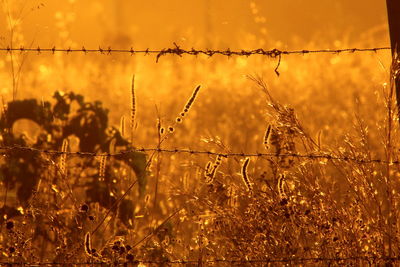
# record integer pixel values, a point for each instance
(281, 183)
(267, 137)
(133, 105)
(245, 175)
(122, 126)
(63, 158)
(88, 245)
(211, 169)
(102, 167)
(190, 101)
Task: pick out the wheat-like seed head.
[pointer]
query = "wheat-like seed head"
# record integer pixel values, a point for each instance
(267, 137)
(87, 244)
(102, 166)
(122, 126)
(179, 119)
(211, 169)
(190, 101)
(133, 106)
(245, 175)
(281, 183)
(3, 106)
(63, 157)
(208, 167)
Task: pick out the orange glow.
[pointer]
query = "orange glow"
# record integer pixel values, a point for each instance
(206, 159)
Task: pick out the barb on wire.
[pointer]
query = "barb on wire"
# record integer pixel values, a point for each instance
(327, 156)
(277, 65)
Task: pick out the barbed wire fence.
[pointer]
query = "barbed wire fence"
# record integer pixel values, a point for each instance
(319, 155)
(178, 51)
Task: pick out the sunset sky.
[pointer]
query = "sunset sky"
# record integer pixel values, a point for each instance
(215, 24)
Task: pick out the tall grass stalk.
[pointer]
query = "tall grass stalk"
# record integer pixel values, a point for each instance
(390, 150)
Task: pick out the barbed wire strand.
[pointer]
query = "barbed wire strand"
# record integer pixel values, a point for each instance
(231, 261)
(177, 50)
(327, 156)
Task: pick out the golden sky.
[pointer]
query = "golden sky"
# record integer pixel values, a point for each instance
(210, 23)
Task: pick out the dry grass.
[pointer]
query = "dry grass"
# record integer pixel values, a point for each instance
(206, 208)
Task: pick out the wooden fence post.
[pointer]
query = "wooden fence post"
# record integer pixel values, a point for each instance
(393, 12)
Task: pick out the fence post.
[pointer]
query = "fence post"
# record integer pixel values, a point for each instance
(393, 12)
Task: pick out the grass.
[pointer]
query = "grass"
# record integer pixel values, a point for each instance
(204, 208)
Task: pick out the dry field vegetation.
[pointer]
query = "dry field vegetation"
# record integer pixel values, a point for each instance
(160, 209)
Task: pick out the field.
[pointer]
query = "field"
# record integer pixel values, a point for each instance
(114, 159)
